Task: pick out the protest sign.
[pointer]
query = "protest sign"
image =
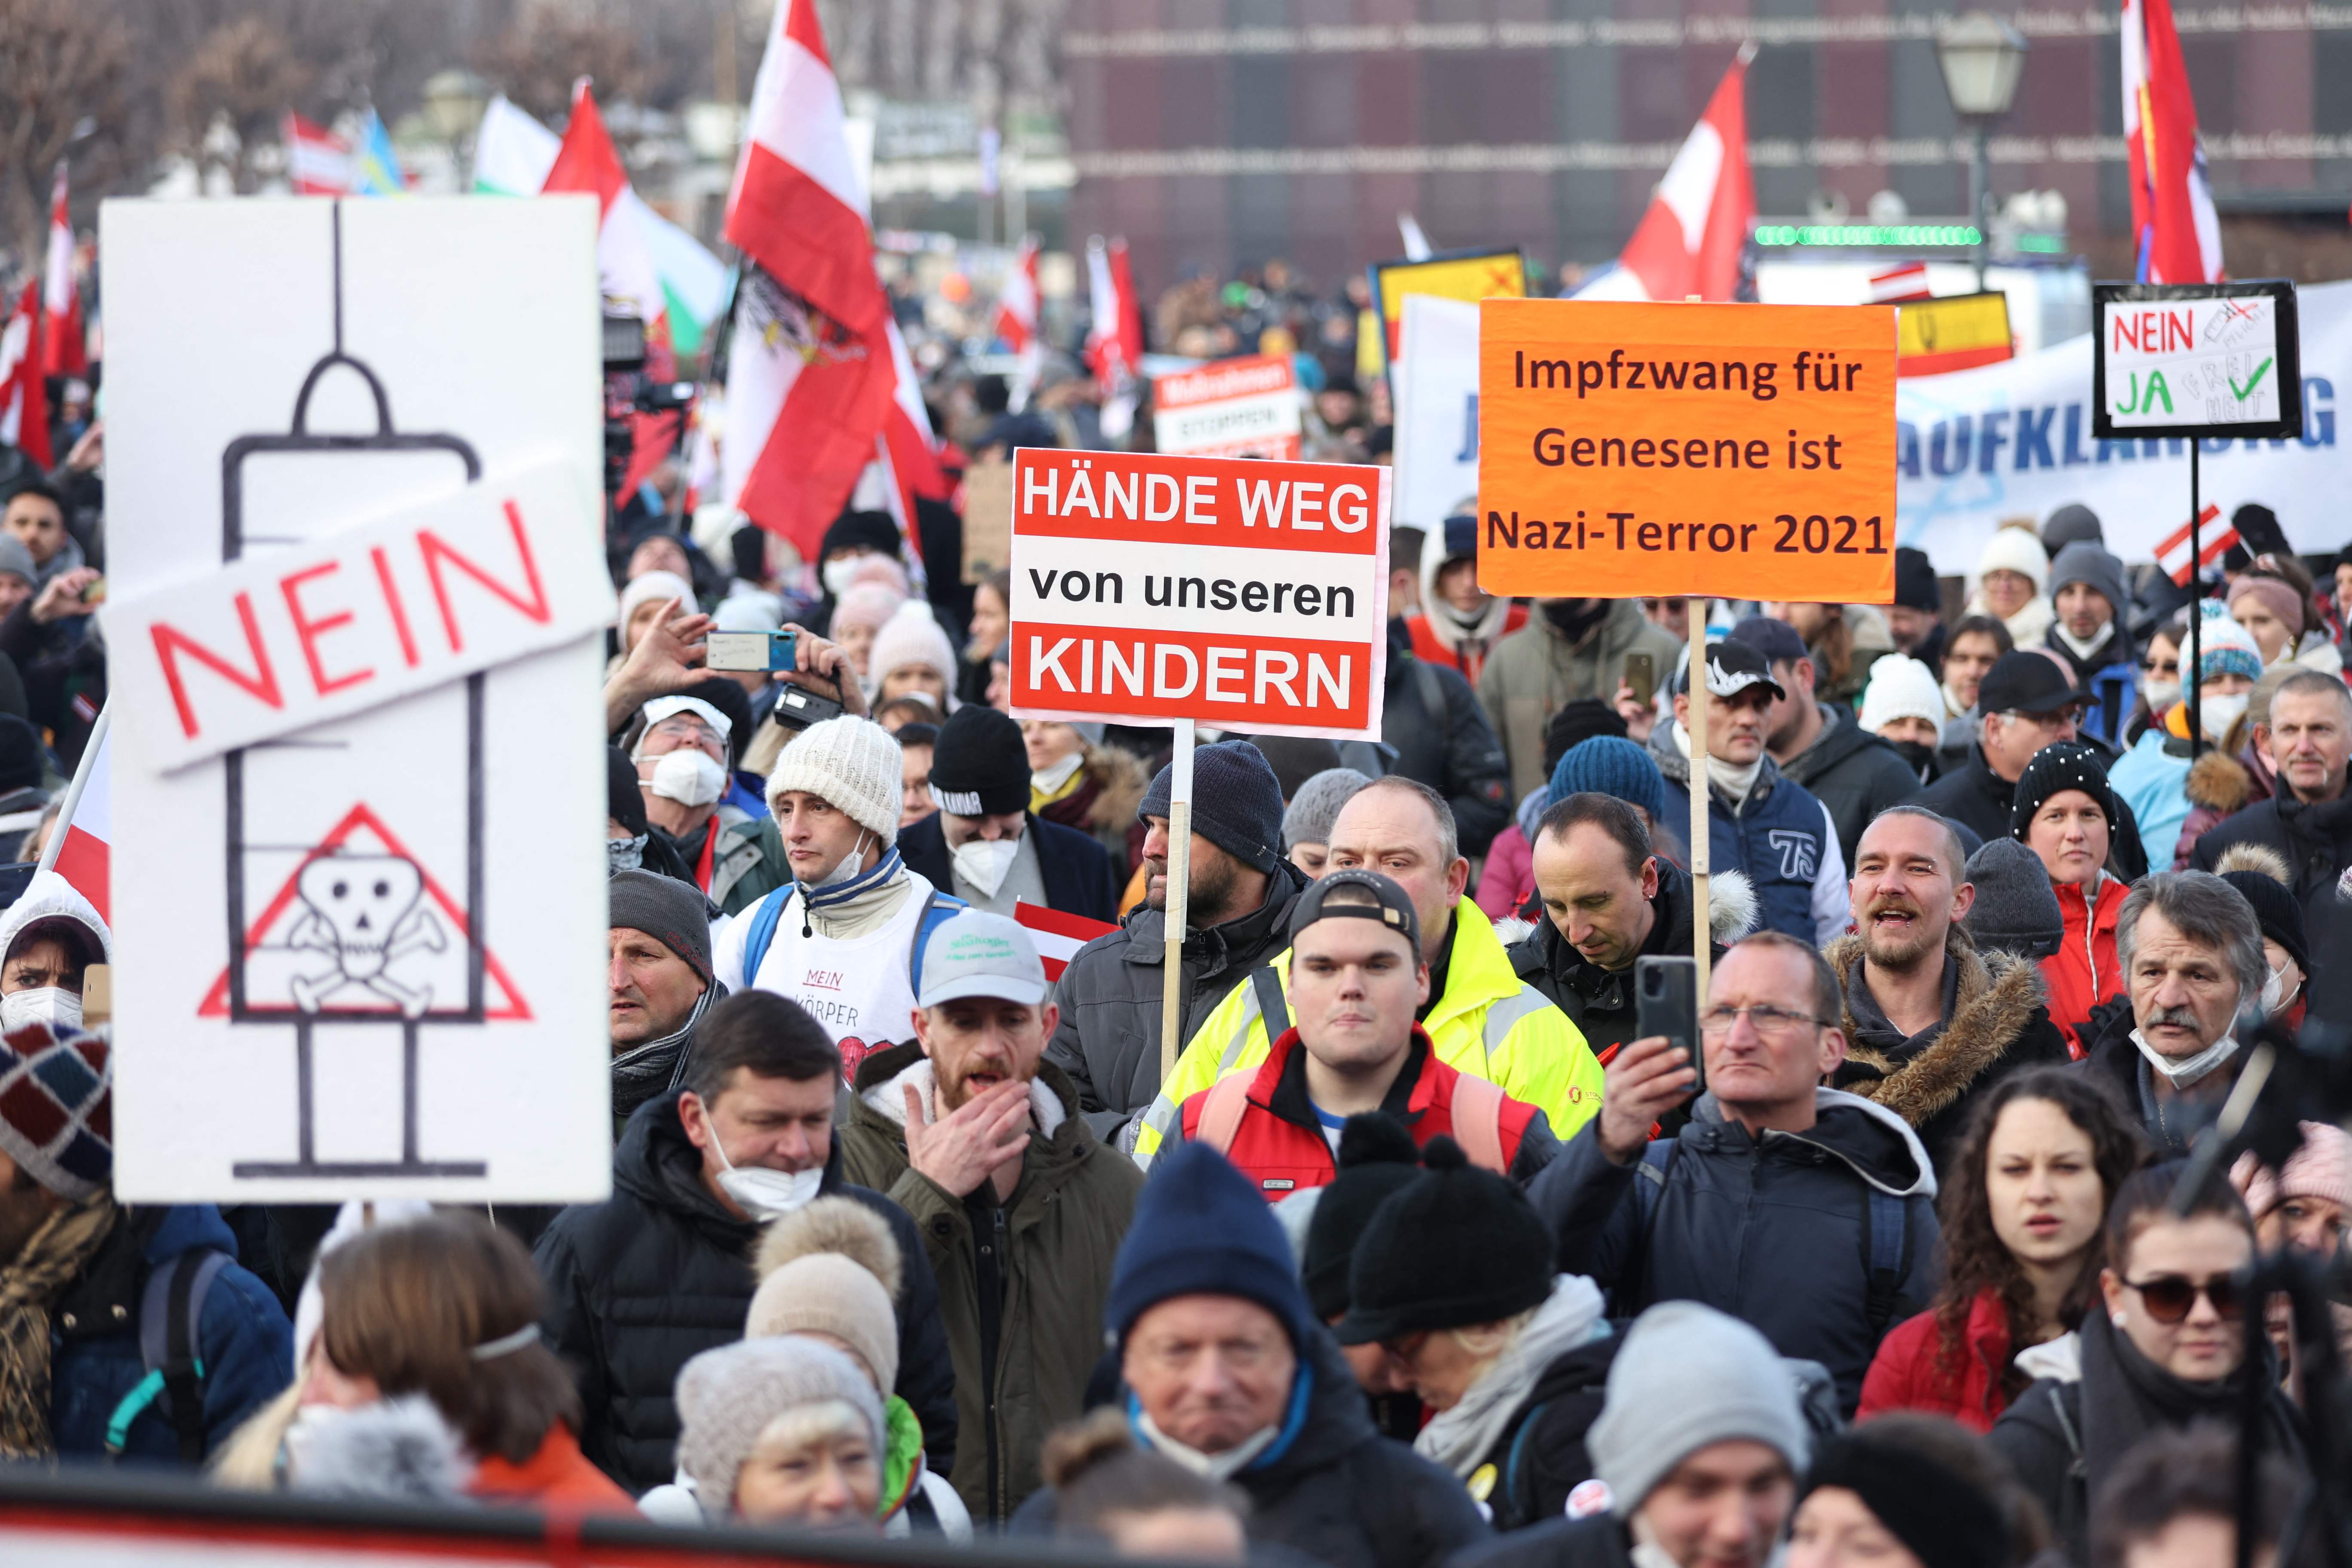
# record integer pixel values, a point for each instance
(1470, 275)
(2195, 359)
(1957, 331)
(1231, 409)
(987, 517)
(359, 946)
(1744, 451)
(1436, 380)
(2014, 439)
(1250, 596)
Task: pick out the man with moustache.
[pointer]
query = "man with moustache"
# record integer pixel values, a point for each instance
(1929, 1021)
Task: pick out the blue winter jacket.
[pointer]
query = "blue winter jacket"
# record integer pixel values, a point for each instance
(244, 1341)
(1782, 838)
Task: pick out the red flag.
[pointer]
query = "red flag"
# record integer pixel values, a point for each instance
(2176, 237)
(64, 344)
(24, 380)
(1115, 341)
(810, 377)
(1016, 300)
(1057, 935)
(318, 161)
(1690, 239)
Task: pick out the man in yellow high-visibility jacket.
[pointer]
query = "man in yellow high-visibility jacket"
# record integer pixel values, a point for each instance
(1482, 1018)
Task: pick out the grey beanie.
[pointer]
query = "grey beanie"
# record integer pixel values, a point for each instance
(727, 1397)
(2070, 523)
(16, 560)
(2016, 910)
(1687, 1376)
(1316, 805)
(2083, 562)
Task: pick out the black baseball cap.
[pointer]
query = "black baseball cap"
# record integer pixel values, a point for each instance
(1389, 905)
(2023, 680)
(1731, 668)
(1776, 640)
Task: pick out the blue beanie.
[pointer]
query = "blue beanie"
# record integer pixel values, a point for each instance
(1200, 1228)
(1236, 801)
(1610, 764)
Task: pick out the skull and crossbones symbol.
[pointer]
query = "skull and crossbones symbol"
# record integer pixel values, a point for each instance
(364, 909)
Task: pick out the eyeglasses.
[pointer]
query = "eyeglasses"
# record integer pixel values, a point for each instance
(1772, 1022)
(2169, 1297)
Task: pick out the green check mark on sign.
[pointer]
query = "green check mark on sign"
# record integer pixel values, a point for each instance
(2253, 382)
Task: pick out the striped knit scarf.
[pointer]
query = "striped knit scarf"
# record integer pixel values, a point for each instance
(29, 1285)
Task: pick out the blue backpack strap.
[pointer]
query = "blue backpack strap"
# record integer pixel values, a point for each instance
(764, 916)
(938, 911)
(171, 1346)
(1885, 1245)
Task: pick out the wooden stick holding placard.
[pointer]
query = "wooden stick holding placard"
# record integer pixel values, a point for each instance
(1180, 882)
(1697, 606)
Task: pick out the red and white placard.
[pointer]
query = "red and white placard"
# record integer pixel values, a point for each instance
(1233, 408)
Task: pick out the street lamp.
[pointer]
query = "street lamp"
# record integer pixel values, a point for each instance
(454, 100)
(1982, 57)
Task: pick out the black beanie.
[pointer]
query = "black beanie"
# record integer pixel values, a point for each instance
(20, 753)
(1457, 1245)
(1576, 722)
(2062, 765)
(1295, 759)
(1376, 1160)
(2276, 910)
(1916, 587)
(1944, 1519)
(1236, 801)
(860, 530)
(980, 764)
(672, 912)
(624, 801)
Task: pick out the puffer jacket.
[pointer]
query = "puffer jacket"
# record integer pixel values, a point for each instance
(1911, 1373)
(1536, 671)
(1780, 838)
(2085, 971)
(1775, 1229)
(1020, 1284)
(1994, 1024)
(243, 1341)
(1975, 797)
(1334, 1490)
(2313, 838)
(1107, 1042)
(1432, 721)
(661, 1271)
(1853, 772)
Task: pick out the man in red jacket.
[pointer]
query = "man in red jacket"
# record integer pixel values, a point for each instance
(1357, 977)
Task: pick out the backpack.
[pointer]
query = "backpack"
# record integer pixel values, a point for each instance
(170, 1308)
(1885, 1233)
(938, 911)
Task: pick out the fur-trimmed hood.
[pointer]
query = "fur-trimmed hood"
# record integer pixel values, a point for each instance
(1121, 781)
(1996, 1000)
(2219, 782)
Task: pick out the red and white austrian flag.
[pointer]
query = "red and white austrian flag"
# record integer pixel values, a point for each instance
(1058, 936)
(1690, 239)
(1247, 594)
(2212, 543)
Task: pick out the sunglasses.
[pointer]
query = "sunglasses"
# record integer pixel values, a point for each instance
(2169, 1297)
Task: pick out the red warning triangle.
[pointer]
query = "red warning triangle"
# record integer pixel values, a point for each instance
(501, 1003)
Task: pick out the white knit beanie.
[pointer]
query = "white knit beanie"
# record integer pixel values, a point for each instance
(2015, 550)
(853, 762)
(910, 640)
(1901, 688)
(653, 587)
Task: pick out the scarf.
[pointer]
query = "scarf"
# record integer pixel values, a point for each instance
(2084, 648)
(29, 1287)
(1461, 1439)
(2126, 1396)
(643, 1071)
(855, 904)
(1732, 778)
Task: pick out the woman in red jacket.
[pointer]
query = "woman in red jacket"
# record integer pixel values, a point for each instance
(2064, 811)
(2044, 1151)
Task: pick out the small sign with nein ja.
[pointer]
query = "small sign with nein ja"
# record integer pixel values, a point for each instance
(2196, 358)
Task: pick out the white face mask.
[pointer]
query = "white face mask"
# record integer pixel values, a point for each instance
(2183, 1071)
(839, 574)
(50, 1005)
(762, 1192)
(1047, 780)
(689, 776)
(846, 867)
(2219, 712)
(985, 862)
(2275, 995)
(624, 854)
(2160, 694)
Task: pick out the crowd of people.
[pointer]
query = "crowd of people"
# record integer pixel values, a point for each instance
(1422, 1252)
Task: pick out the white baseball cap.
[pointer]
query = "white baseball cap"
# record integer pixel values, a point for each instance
(978, 955)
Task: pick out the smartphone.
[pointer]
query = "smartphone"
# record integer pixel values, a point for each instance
(771, 651)
(1641, 675)
(1666, 1002)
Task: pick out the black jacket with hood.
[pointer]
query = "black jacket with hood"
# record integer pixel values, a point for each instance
(1775, 1229)
(2316, 841)
(661, 1271)
(1599, 1002)
(1336, 1490)
(1108, 1038)
(1853, 773)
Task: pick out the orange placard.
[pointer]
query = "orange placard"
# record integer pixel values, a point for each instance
(1746, 451)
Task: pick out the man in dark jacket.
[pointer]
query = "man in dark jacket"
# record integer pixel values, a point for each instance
(1226, 1368)
(2027, 703)
(1806, 1211)
(75, 1271)
(1698, 1446)
(661, 1271)
(1019, 1207)
(2086, 590)
(1609, 898)
(1441, 737)
(985, 845)
(1929, 1021)
(657, 970)
(1237, 918)
(2309, 820)
(1848, 769)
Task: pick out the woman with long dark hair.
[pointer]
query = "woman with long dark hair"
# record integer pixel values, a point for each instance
(2044, 1152)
